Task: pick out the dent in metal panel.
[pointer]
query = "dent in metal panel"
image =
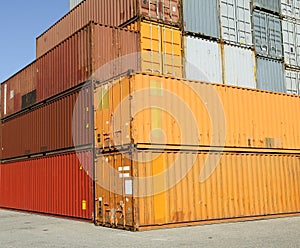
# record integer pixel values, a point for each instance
(290, 8)
(292, 82)
(291, 42)
(270, 75)
(203, 60)
(267, 34)
(202, 16)
(273, 5)
(239, 67)
(236, 21)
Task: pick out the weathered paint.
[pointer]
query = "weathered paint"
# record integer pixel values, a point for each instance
(55, 185)
(157, 110)
(164, 188)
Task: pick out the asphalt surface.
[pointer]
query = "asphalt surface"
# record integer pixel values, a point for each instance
(27, 230)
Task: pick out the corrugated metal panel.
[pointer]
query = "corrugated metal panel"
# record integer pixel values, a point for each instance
(236, 21)
(161, 48)
(145, 109)
(267, 34)
(201, 16)
(290, 9)
(49, 127)
(270, 75)
(203, 60)
(291, 42)
(56, 185)
(292, 81)
(152, 188)
(72, 62)
(273, 5)
(73, 3)
(109, 12)
(239, 67)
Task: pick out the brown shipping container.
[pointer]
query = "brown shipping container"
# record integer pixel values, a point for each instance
(159, 111)
(109, 12)
(60, 124)
(69, 64)
(59, 185)
(155, 189)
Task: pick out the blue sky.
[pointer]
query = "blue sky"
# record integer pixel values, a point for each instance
(21, 22)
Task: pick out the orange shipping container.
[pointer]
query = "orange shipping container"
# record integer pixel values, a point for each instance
(160, 111)
(109, 12)
(141, 190)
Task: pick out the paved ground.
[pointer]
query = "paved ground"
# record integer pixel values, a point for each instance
(26, 230)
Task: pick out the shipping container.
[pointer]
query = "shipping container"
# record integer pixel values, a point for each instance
(201, 17)
(236, 21)
(270, 75)
(109, 12)
(71, 63)
(290, 8)
(60, 124)
(267, 34)
(141, 190)
(160, 111)
(161, 48)
(291, 42)
(209, 61)
(73, 3)
(239, 66)
(273, 5)
(292, 81)
(203, 60)
(58, 185)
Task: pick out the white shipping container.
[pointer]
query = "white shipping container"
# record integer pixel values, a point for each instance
(210, 61)
(239, 66)
(291, 42)
(292, 81)
(236, 21)
(74, 3)
(203, 60)
(290, 8)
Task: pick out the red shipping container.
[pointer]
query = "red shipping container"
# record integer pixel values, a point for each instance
(59, 185)
(62, 123)
(109, 12)
(70, 63)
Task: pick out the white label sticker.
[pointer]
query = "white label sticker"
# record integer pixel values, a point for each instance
(11, 94)
(124, 175)
(124, 168)
(128, 187)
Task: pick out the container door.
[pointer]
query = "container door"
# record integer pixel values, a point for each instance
(114, 194)
(292, 82)
(275, 36)
(165, 10)
(171, 51)
(289, 42)
(236, 21)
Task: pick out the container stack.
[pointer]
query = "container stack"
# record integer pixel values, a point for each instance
(291, 44)
(102, 125)
(218, 42)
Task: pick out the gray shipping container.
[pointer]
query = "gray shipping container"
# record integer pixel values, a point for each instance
(292, 81)
(273, 5)
(267, 34)
(270, 75)
(202, 16)
(235, 18)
